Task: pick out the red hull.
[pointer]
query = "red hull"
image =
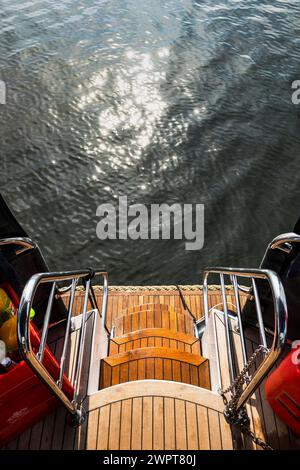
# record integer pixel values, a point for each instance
(24, 398)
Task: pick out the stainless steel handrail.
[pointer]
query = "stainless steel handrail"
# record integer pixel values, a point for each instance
(104, 298)
(280, 321)
(28, 244)
(35, 360)
(284, 239)
(283, 242)
(227, 332)
(25, 242)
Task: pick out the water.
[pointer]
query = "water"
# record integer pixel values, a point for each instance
(175, 101)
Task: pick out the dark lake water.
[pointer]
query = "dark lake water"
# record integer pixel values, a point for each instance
(163, 101)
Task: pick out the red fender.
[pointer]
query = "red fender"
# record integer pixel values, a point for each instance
(24, 398)
(283, 389)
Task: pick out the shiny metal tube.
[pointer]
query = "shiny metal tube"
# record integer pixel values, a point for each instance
(280, 329)
(239, 315)
(280, 320)
(104, 297)
(205, 296)
(40, 353)
(25, 242)
(81, 342)
(283, 242)
(259, 315)
(68, 326)
(227, 329)
(25, 346)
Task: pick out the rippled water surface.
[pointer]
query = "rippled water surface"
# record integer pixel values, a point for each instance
(165, 101)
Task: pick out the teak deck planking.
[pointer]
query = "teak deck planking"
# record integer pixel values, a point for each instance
(151, 414)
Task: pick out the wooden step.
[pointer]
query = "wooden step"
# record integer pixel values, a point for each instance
(154, 337)
(155, 318)
(151, 416)
(155, 363)
(147, 306)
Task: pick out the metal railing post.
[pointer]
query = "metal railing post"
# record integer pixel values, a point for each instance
(227, 329)
(81, 342)
(280, 320)
(40, 353)
(66, 341)
(239, 314)
(259, 315)
(104, 299)
(33, 360)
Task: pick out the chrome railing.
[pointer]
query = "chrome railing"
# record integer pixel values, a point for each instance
(283, 242)
(280, 321)
(24, 243)
(35, 360)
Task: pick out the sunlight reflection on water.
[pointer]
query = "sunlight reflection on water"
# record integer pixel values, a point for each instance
(176, 101)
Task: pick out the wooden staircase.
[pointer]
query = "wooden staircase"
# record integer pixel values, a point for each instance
(154, 341)
(154, 316)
